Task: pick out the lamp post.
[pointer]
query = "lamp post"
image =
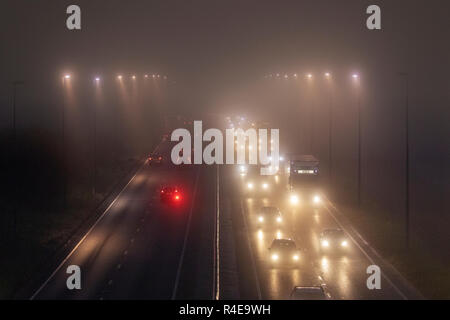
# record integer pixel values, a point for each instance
(358, 102)
(330, 129)
(15, 84)
(407, 218)
(66, 79)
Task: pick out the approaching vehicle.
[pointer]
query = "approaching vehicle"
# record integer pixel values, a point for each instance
(155, 159)
(333, 239)
(309, 293)
(304, 179)
(284, 251)
(269, 216)
(170, 195)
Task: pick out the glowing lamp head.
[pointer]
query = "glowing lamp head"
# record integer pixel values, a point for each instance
(316, 199)
(294, 199)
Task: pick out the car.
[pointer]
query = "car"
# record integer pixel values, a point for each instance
(155, 159)
(334, 239)
(269, 216)
(170, 194)
(284, 251)
(309, 293)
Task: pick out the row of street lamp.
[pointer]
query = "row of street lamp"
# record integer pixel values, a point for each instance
(326, 75)
(120, 77)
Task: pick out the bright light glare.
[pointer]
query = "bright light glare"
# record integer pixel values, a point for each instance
(325, 243)
(250, 185)
(344, 243)
(309, 75)
(355, 76)
(265, 186)
(67, 76)
(294, 199)
(279, 219)
(295, 257)
(316, 199)
(260, 219)
(327, 75)
(275, 257)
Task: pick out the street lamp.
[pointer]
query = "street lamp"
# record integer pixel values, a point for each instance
(407, 232)
(66, 80)
(330, 127)
(15, 85)
(355, 77)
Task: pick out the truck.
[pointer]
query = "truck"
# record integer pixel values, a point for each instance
(304, 174)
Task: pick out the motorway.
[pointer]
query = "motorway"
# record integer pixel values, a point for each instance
(343, 273)
(141, 248)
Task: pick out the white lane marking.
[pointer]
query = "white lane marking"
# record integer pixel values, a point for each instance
(255, 273)
(400, 293)
(216, 282)
(91, 228)
(180, 263)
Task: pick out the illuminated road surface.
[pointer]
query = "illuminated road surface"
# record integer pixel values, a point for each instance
(135, 251)
(343, 273)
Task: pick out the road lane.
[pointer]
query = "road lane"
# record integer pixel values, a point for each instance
(134, 250)
(343, 273)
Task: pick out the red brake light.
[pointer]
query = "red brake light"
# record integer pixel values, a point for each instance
(162, 191)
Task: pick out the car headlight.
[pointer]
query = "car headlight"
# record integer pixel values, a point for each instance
(325, 243)
(316, 199)
(279, 219)
(295, 257)
(260, 219)
(250, 185)
(294, 199)
(275, 257)
(344, 243)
